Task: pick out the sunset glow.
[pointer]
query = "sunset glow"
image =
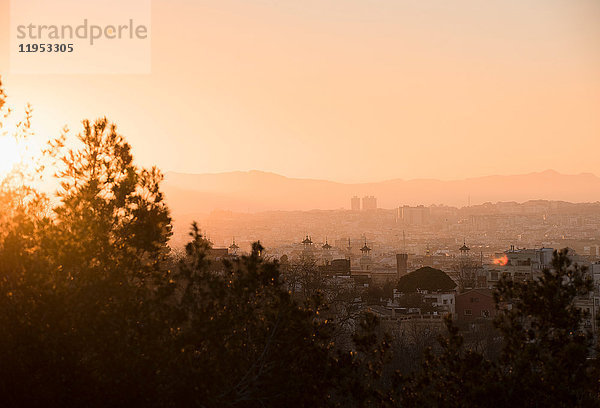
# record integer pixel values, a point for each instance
(390, 85)
(10, 154)
(501, 261)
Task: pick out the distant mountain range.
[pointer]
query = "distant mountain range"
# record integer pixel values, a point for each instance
(254, 191)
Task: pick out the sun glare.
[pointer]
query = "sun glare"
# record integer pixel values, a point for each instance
(10, 154)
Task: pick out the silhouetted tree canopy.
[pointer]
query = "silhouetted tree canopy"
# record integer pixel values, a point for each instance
(547, 360)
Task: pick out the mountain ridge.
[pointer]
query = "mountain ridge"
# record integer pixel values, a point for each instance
(256, 190)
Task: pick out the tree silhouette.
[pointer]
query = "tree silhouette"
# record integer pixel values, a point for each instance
(547, 354)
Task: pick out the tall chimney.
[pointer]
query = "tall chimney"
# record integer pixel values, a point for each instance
(401, 265)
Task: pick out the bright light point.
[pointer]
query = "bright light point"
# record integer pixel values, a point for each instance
(10, 154)
(502, 261)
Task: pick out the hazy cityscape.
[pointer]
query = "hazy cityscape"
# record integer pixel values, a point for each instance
(374, 247)
(436, 231)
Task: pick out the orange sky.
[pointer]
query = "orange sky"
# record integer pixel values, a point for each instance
(349, 90)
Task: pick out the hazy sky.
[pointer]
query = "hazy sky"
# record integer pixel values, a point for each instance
(349, 90)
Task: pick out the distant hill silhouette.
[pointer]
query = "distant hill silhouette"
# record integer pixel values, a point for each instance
(426, 278)
(259, 191)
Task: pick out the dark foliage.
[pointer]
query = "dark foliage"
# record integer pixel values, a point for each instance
(546, 358)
